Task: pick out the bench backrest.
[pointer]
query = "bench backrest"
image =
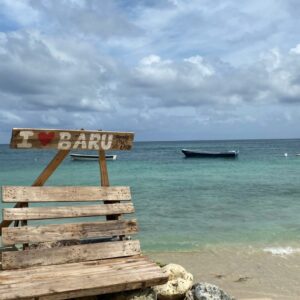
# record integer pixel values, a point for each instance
(94, 202)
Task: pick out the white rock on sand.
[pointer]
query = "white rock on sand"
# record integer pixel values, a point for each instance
(206, 291)
(180, 281)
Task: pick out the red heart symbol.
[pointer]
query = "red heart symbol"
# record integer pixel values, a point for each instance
(45, 138)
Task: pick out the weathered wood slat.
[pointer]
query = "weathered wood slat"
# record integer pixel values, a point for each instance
(67, 269)
(48, 233)
(28, 138)
(40, 213)
(80, 279)
(48, 273)
(70, 254)
(125, 286)
(64, 193)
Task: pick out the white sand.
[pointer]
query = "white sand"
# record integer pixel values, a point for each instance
(242, 272)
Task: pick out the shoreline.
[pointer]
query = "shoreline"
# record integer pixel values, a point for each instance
(243, 273)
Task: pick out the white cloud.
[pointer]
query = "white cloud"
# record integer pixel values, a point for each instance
(205, 69)
(295, 50)
(154, 69)
(149, 60)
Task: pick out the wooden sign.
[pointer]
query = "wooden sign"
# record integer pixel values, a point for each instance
(26, 138)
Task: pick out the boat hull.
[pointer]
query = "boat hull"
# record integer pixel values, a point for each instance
(206, 154)
(91, 157)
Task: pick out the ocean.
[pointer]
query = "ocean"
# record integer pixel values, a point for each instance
(187, 204)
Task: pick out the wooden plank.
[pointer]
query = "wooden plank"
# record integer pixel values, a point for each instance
(42, 178)
(40, 213)
(70, 254)
(73, 231)
(81, 279)
(28, 138)
(83, 268)
(64, 194)
(126, 286)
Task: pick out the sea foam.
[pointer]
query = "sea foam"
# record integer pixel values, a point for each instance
(282, 251)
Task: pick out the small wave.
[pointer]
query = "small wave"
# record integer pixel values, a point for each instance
(282, 251)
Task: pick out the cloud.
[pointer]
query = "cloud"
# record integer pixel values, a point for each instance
(47, 73)
(195, 81)
(143, 64)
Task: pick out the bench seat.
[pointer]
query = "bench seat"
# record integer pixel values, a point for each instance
(80, 279)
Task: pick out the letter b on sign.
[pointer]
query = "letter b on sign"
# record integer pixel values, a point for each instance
(64, 143)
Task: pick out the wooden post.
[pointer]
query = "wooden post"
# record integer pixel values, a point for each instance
(105, 181)
(47, 172)
(103, 169)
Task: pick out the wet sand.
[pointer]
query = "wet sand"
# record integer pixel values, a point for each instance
(244, 273)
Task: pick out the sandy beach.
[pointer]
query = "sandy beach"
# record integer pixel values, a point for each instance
(244, 273)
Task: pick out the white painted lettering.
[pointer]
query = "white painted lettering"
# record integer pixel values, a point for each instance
(106, 141)
(25, 135)
(81, 142)
(94, 141)
(64, 142)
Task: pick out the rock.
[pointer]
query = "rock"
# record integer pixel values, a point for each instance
(143, 294)
(206, 291)
(180, 281)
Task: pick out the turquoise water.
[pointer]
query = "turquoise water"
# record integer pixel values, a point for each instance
(186, 204)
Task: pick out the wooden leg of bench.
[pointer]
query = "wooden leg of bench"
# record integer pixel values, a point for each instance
(105, 182)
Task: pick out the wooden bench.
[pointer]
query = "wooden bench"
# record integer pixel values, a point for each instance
(71, 259)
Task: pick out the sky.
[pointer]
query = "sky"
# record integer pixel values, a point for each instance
(164, 69)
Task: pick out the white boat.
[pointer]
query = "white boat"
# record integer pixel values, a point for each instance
(76, 156)
(298, 154)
